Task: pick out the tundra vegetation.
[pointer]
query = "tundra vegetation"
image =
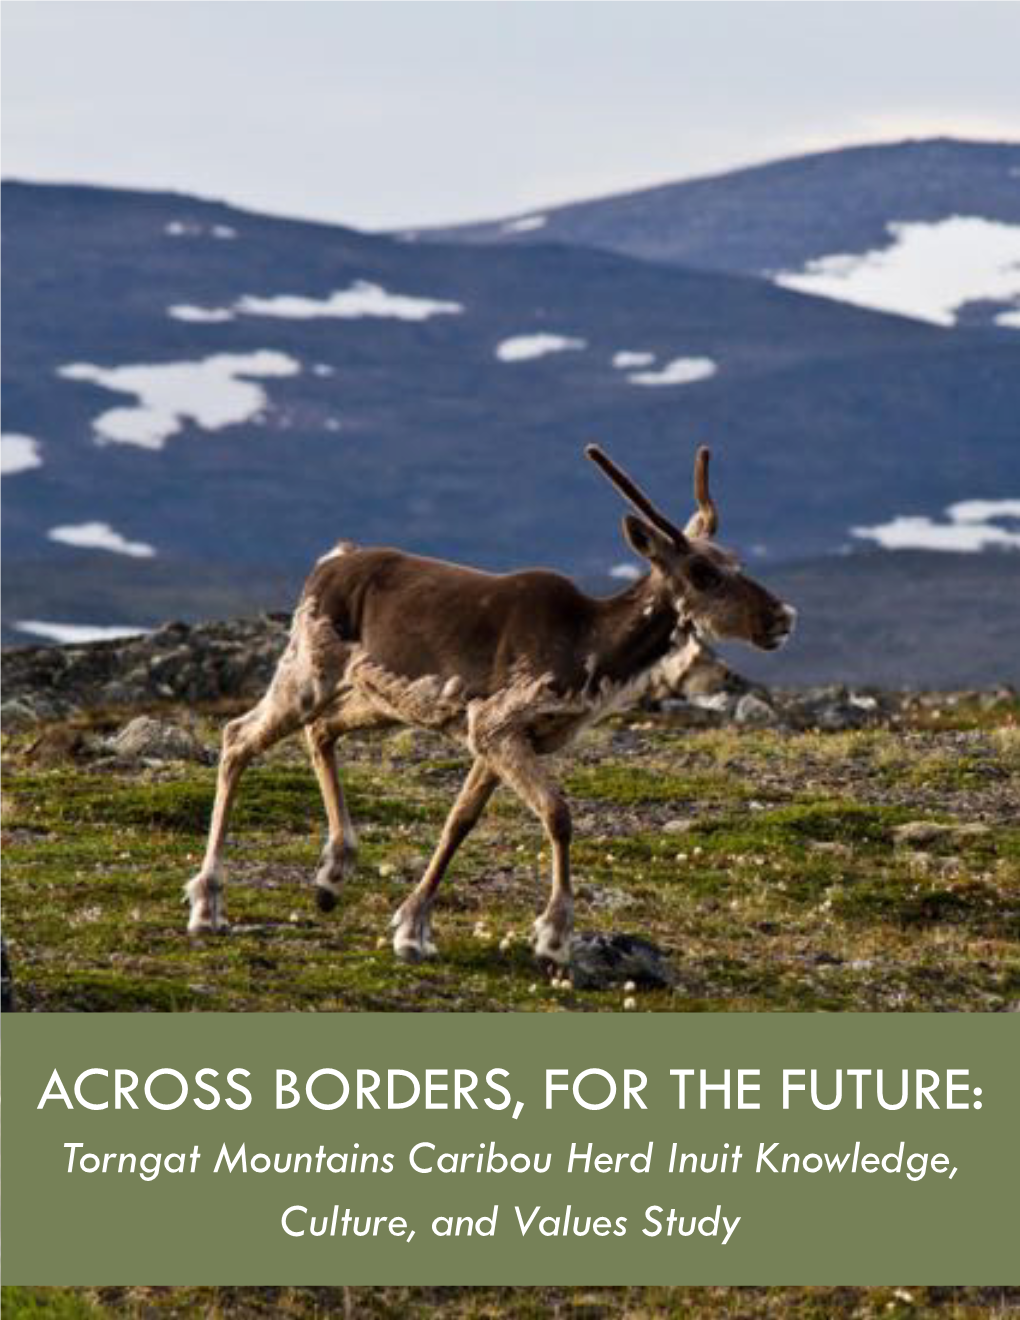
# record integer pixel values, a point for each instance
(877, 869)
(412, 1303)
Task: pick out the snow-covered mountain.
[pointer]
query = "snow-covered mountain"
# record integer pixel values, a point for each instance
(199, 400)
(929, 229)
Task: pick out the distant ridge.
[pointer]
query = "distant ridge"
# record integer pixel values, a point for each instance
(780, 215)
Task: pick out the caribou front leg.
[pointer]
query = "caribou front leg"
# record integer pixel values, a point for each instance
(521, 769)
(412, 923)
(341, 850)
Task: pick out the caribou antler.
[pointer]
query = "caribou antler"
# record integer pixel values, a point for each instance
(706, 521)
(632, 492)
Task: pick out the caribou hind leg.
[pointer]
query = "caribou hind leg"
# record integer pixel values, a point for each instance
(243, 740)
(412, 923)
(304, 683)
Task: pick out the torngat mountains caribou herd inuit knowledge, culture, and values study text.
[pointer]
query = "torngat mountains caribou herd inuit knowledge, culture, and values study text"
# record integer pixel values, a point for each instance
(512, 667)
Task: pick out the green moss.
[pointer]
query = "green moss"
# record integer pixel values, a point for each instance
(632, 784)
(52, 1303)
(495, 1303)
(282, 798)
(787, 856)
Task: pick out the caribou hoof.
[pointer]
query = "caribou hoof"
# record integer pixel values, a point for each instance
(326, 898)
(550, 942)
(412, 937)
(208, 911)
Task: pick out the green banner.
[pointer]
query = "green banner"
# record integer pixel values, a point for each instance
(640, 1149)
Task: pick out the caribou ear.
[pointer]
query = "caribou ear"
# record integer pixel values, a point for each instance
(705, 522)
(648, 541)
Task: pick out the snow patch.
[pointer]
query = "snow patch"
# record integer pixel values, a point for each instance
(681, 371)
(979, 511)
(526, 224)
(210, 393)
(18, 453)
(362, 299)
(99, 536)
(928, 271)
(187, 312)
(193, 229)
(970, 528)
(627, 358)
(79, 632)
(524, 348)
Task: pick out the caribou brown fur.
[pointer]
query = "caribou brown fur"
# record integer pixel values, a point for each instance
(511, 666)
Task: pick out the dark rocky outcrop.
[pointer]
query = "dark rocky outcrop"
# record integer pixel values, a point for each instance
(598, 961)
(193, 663)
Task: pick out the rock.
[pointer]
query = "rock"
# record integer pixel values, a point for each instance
(831, 846)
(975, 829)
(917, 833)
(678, 826)
(17, 715)
(178, 662)
(723, 703)
(753, 711)
(598, 961)
(152, 740)
(604, 898)
(834, 708)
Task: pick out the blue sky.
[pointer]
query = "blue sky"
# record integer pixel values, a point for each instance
(393, 114)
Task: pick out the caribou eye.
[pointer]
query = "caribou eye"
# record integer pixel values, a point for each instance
(703, 576)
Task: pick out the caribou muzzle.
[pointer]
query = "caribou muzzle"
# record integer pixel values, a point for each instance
(777, 634)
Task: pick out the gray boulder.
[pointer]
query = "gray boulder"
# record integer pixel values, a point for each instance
(146, 739)
(598, 961)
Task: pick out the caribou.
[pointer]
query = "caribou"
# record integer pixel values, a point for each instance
(512, 667)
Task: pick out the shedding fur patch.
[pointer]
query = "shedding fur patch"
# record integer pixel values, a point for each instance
(430, 702)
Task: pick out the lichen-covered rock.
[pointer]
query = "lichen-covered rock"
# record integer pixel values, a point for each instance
(17, 715)
(598, 960)
(146, 739)
(833, 708)
(920, 833)
(753, 711)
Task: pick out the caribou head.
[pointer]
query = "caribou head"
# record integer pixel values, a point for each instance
(715, 598)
